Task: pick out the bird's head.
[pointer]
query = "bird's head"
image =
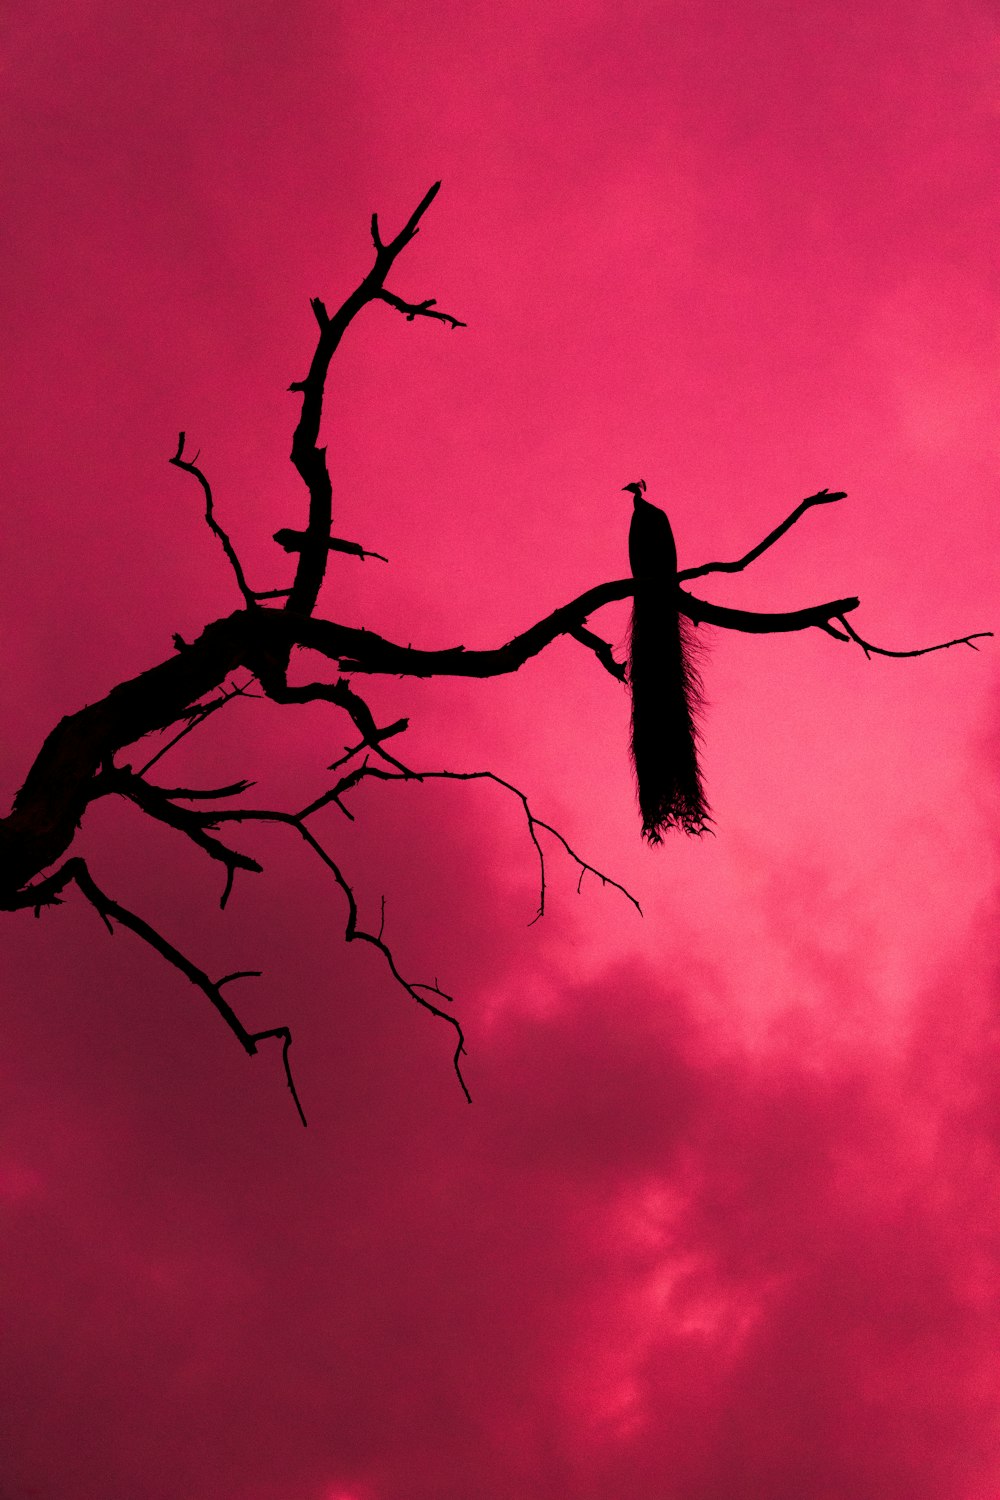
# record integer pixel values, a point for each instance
(637, 490)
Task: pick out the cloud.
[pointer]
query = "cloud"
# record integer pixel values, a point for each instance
(650, 1260)
(683, 1245)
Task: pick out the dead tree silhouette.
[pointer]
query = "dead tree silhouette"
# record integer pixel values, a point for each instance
(78, 763)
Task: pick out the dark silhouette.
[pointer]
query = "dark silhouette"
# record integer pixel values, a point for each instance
(293, 541)
(666, 689)
(247, 652)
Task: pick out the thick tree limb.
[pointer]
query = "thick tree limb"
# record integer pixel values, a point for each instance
(365, 651)
(49, 806)
(366, 771)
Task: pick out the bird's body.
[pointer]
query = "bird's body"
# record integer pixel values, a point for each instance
(666, 691)
(652, 551)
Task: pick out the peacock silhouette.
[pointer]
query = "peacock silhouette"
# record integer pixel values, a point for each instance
(666, 687)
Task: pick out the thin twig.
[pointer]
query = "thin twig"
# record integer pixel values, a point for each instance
(180, 462)
(353, 932)
(204, 793)
(962, 640)
(112, 911)
(365, 771)
(822, 497)
(284, 1032)
(378, 735)
(198, 717)
(193, 824)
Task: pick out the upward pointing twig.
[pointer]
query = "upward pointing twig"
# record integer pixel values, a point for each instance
(822, 497)
(308, 456)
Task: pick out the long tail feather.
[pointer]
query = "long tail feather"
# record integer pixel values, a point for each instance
(666, 696)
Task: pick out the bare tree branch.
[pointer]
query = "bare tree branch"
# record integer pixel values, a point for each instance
(365, 651)
(365, 771)
(343, 695)
(202, 794)
(158, 803)
(111, 911)
(353, 932)
(423, 309)
(180, 462)
(822, 497)
(293, 541)
(379, 735)
(962, 640)
(195, 717)
(308, 458)
(601, 649)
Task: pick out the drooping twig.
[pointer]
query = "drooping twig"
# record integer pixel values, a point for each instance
(284, 1032)
(366, 771)
(602, 650)
(353, 932)
(111, 911)
(179, 462)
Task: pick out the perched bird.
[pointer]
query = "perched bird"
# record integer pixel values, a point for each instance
(666, 690)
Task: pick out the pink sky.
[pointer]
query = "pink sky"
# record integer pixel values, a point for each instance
(722, 1222)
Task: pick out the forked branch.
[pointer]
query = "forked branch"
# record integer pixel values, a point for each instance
(870, 650)
(366, 771)
(111, 911)
(307, 456)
